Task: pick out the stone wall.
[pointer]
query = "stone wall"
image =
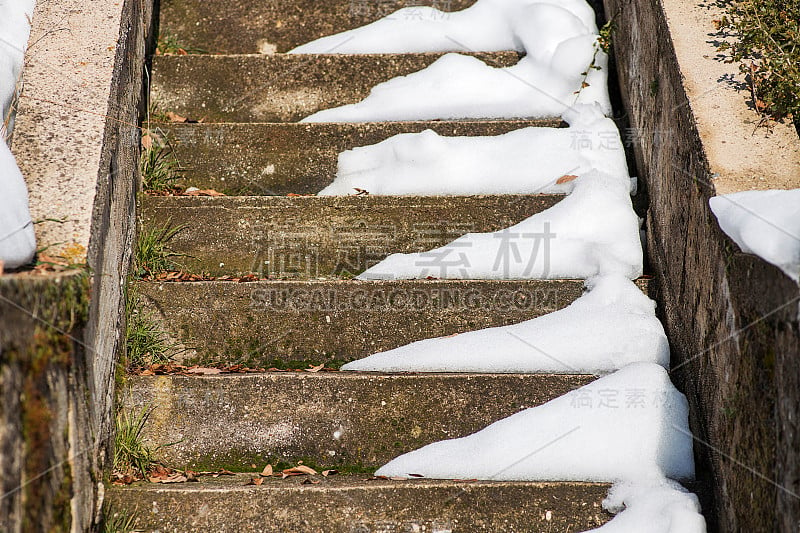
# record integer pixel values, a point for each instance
(77, 141)
(732, 319)
(45, 437)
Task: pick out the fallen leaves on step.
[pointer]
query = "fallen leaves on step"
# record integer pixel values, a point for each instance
(309, 481)
(267, 472)
(299, 470)
(176, 369)
(326, 473)
(317, 368)
(255, 481)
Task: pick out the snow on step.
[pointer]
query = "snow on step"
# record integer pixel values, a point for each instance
(593, 231)
(563, 65)
(524, 161)
(765, 223)
(630, 425)
(17, 241)
(608, 327)
(660, 506)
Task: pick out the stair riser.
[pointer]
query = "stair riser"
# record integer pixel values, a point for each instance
(259, 27)
(328, 419)
(336, 322)
(313, 237)
(278, 159)
(278, 88)
(379, 507)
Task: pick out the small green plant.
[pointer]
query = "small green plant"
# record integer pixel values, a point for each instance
(159, 166)
(117, 522)
(766, 37)
(153, 254)
(131, 455)
(146, 343)
(168, 44)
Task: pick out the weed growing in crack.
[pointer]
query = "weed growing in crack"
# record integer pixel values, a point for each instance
(131, 455)
(153, 254)
(146, 343)
(159, 167)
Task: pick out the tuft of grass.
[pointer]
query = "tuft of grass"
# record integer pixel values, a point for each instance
(153, 254)
(146, 343)
(117, 522)
(159, 167)
(131, 455)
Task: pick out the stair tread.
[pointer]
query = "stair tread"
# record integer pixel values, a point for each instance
(312, 236)
(280, 87)
(249, 27)
(348, 503)
(302, 158)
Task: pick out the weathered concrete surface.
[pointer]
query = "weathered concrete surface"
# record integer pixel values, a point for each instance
(731, 318)
(243, 27)
(270, 159)
(347, 504)
(45, 405)
(338, 321)
(61, 121)
(316, 236)
(331, 419)
(278, 88)
(76, 140)
(742, 155)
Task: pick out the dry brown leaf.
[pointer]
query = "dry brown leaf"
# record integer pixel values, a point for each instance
(174, 117)
(416, 475)
(147, 141)
(331, 472)
(309, 481)
(267, 471)
(315, 368)
(256, 481)
(300, 470)
(566, 178)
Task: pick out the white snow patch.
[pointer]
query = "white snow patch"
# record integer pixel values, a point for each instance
(14, 32)
(630, 425)
(593, 231)
(655, 507)
(17, 242)
(563, 63)
(610, 326)
(524, 161)
(765, 223)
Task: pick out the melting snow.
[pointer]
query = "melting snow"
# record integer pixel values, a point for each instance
(765, 223)
(593, 231)
(563, 63)
(630, 425)
(17, 243)
(610, 326)
(524, 161)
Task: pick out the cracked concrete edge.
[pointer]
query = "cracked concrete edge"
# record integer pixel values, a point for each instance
(742, 155)
(61, 119)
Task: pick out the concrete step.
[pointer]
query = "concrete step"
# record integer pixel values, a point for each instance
(345, 420)
(290, 324)
(309, 237)
(277, 159)
(242, 27)
(278, 88)
(354, 504)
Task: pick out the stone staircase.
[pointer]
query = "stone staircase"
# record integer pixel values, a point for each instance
(309, 312)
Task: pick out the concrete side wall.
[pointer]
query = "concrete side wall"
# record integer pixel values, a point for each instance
(45, 420)
(732, 318)
(77, 143)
